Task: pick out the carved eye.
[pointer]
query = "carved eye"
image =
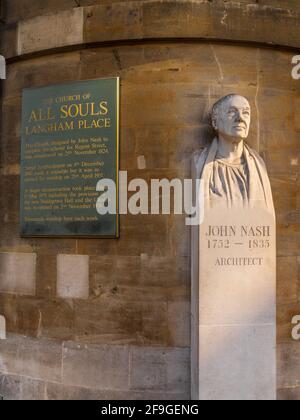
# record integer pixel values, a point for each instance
(231, 112)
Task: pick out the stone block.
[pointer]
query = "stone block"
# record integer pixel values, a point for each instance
(48, 70)
(228, 301)
(16, 11)
(148, 369)
(231, 352)
(18, 273)
(32, 389)
(38, 359)
(56, 319)
(56, 391)
(122, 322)
(10, 387)
(96, 367)
(2, 328)
(73, 276)
(288, 365)
(179, 322)
(288, 239)
(9, 208)
(50, 31)
(162, 369)
(289, 394)
(178, 370)
(287, 280)
(23, 314)
(121, 20)
(8, 41)
(297, 113)
(15, 388)
(46, 273)
(285, 314)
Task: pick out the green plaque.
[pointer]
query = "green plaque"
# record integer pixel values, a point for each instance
(70, 141)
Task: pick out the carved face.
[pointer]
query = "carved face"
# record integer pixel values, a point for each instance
(233, 117)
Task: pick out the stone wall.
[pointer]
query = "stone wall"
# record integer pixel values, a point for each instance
(130, 337)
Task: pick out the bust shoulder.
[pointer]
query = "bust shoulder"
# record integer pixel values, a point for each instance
(256, 155)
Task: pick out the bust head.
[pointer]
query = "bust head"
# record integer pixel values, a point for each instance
(231, 117)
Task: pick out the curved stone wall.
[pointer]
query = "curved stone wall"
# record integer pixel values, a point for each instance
(37, 26)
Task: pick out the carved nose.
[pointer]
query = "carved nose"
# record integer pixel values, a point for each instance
(240, 118)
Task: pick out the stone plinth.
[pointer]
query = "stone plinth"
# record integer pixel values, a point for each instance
(235, 344)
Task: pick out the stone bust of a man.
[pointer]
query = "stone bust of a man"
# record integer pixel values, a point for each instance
(233, 174)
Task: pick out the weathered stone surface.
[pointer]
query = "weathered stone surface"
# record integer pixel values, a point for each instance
(159, 369)
(46, 70)
(289, 394)
(31, 8)
(46, 274)
(232, 350)
(15, 387)
(56, 320)
(287, 280)
(297, 113)
(13, 307)
(95, 367)
(32, 389)
(136, 20)
(126, 368)
(10, 387)
(2, 328)
(32, 35)
(9, 208)
(38, 359)
(285, 314)
(60, 392)
(9, 40)
(73, 371)
(179, 320)
(18, 273)
(131, 322)
(288, 365)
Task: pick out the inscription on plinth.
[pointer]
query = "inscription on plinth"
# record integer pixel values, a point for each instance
(237, 332)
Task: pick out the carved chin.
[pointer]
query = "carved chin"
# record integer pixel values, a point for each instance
(240, 135)
(242, 132)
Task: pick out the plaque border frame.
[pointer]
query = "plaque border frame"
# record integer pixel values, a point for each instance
(117, 157)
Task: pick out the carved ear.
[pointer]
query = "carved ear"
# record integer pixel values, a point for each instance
(214, 122)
